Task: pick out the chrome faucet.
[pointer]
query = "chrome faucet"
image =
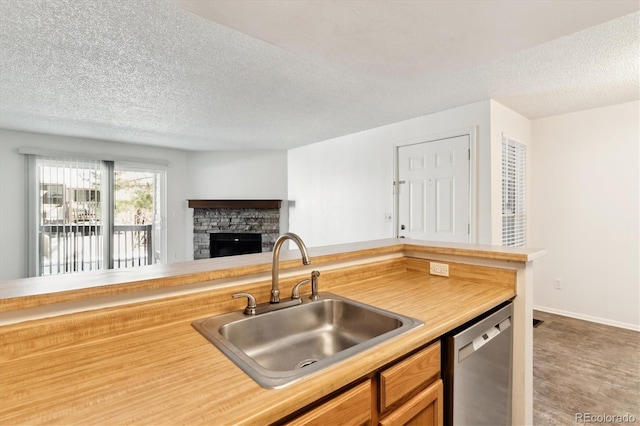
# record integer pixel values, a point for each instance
(275, 290)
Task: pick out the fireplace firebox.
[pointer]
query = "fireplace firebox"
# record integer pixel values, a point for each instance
(232, 243)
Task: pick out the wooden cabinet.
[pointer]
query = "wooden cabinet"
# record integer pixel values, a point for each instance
(424, 409)
(410, 392)
(408, 375)
(406, 393)
(353, 407)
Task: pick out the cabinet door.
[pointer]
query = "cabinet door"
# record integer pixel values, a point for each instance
(352, 407)
(424, 409)
(408, 375)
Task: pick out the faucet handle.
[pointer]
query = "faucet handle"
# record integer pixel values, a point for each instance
(251, 302)
(295, 293)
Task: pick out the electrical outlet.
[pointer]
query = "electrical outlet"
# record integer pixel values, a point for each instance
(557, 284)
(441, 269)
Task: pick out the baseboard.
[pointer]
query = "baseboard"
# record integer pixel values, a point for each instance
(619, 324)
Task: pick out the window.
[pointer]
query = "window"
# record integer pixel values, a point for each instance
(92, 214)
(514, 206)
(138, 206)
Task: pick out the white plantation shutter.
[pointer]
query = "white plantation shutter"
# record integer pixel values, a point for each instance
(514, 208)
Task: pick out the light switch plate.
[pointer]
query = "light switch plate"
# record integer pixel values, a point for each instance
(441, 269)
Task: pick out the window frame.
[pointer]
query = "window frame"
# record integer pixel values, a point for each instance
(107, 198)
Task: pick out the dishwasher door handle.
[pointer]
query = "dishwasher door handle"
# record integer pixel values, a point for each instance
(482, 339)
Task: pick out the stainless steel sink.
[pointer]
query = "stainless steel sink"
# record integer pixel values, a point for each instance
(280, 347)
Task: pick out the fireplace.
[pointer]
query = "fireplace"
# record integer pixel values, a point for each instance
(229, 243)
(234, 218)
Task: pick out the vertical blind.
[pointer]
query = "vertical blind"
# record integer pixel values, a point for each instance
(514, 206)
(70, 237)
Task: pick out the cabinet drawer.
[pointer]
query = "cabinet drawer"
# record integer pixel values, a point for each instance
(408, 375)
(352, 407)
(424, 409)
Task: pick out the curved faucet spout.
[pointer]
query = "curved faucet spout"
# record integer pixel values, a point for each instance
(275, 289)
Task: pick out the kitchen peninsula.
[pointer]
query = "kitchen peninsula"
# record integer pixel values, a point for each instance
(118, 347)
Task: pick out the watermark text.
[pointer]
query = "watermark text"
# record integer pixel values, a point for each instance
(604, 418)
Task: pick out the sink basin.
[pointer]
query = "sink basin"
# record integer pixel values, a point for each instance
(280, 347)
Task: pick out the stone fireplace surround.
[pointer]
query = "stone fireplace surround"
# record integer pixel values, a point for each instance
(241, 216)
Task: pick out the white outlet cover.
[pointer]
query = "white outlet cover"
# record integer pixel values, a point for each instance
(441, 269)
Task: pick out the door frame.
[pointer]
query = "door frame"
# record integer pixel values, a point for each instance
(472, 133)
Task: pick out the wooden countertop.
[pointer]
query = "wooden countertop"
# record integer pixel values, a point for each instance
(170, 374)
(39, 291)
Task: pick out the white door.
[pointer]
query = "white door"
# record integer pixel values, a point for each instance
(433, 190)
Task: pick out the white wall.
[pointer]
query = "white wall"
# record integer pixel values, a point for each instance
(236, 175)
(13, 191)
(343, 187)
(585, 213)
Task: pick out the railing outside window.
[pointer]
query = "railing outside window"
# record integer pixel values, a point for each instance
(78, 247)
(132, 245)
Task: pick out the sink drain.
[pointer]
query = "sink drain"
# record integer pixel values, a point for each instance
(306, 362)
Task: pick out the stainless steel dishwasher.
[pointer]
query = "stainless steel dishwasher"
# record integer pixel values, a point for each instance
(477, 359)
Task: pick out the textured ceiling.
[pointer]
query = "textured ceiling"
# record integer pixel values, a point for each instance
(234, 75)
